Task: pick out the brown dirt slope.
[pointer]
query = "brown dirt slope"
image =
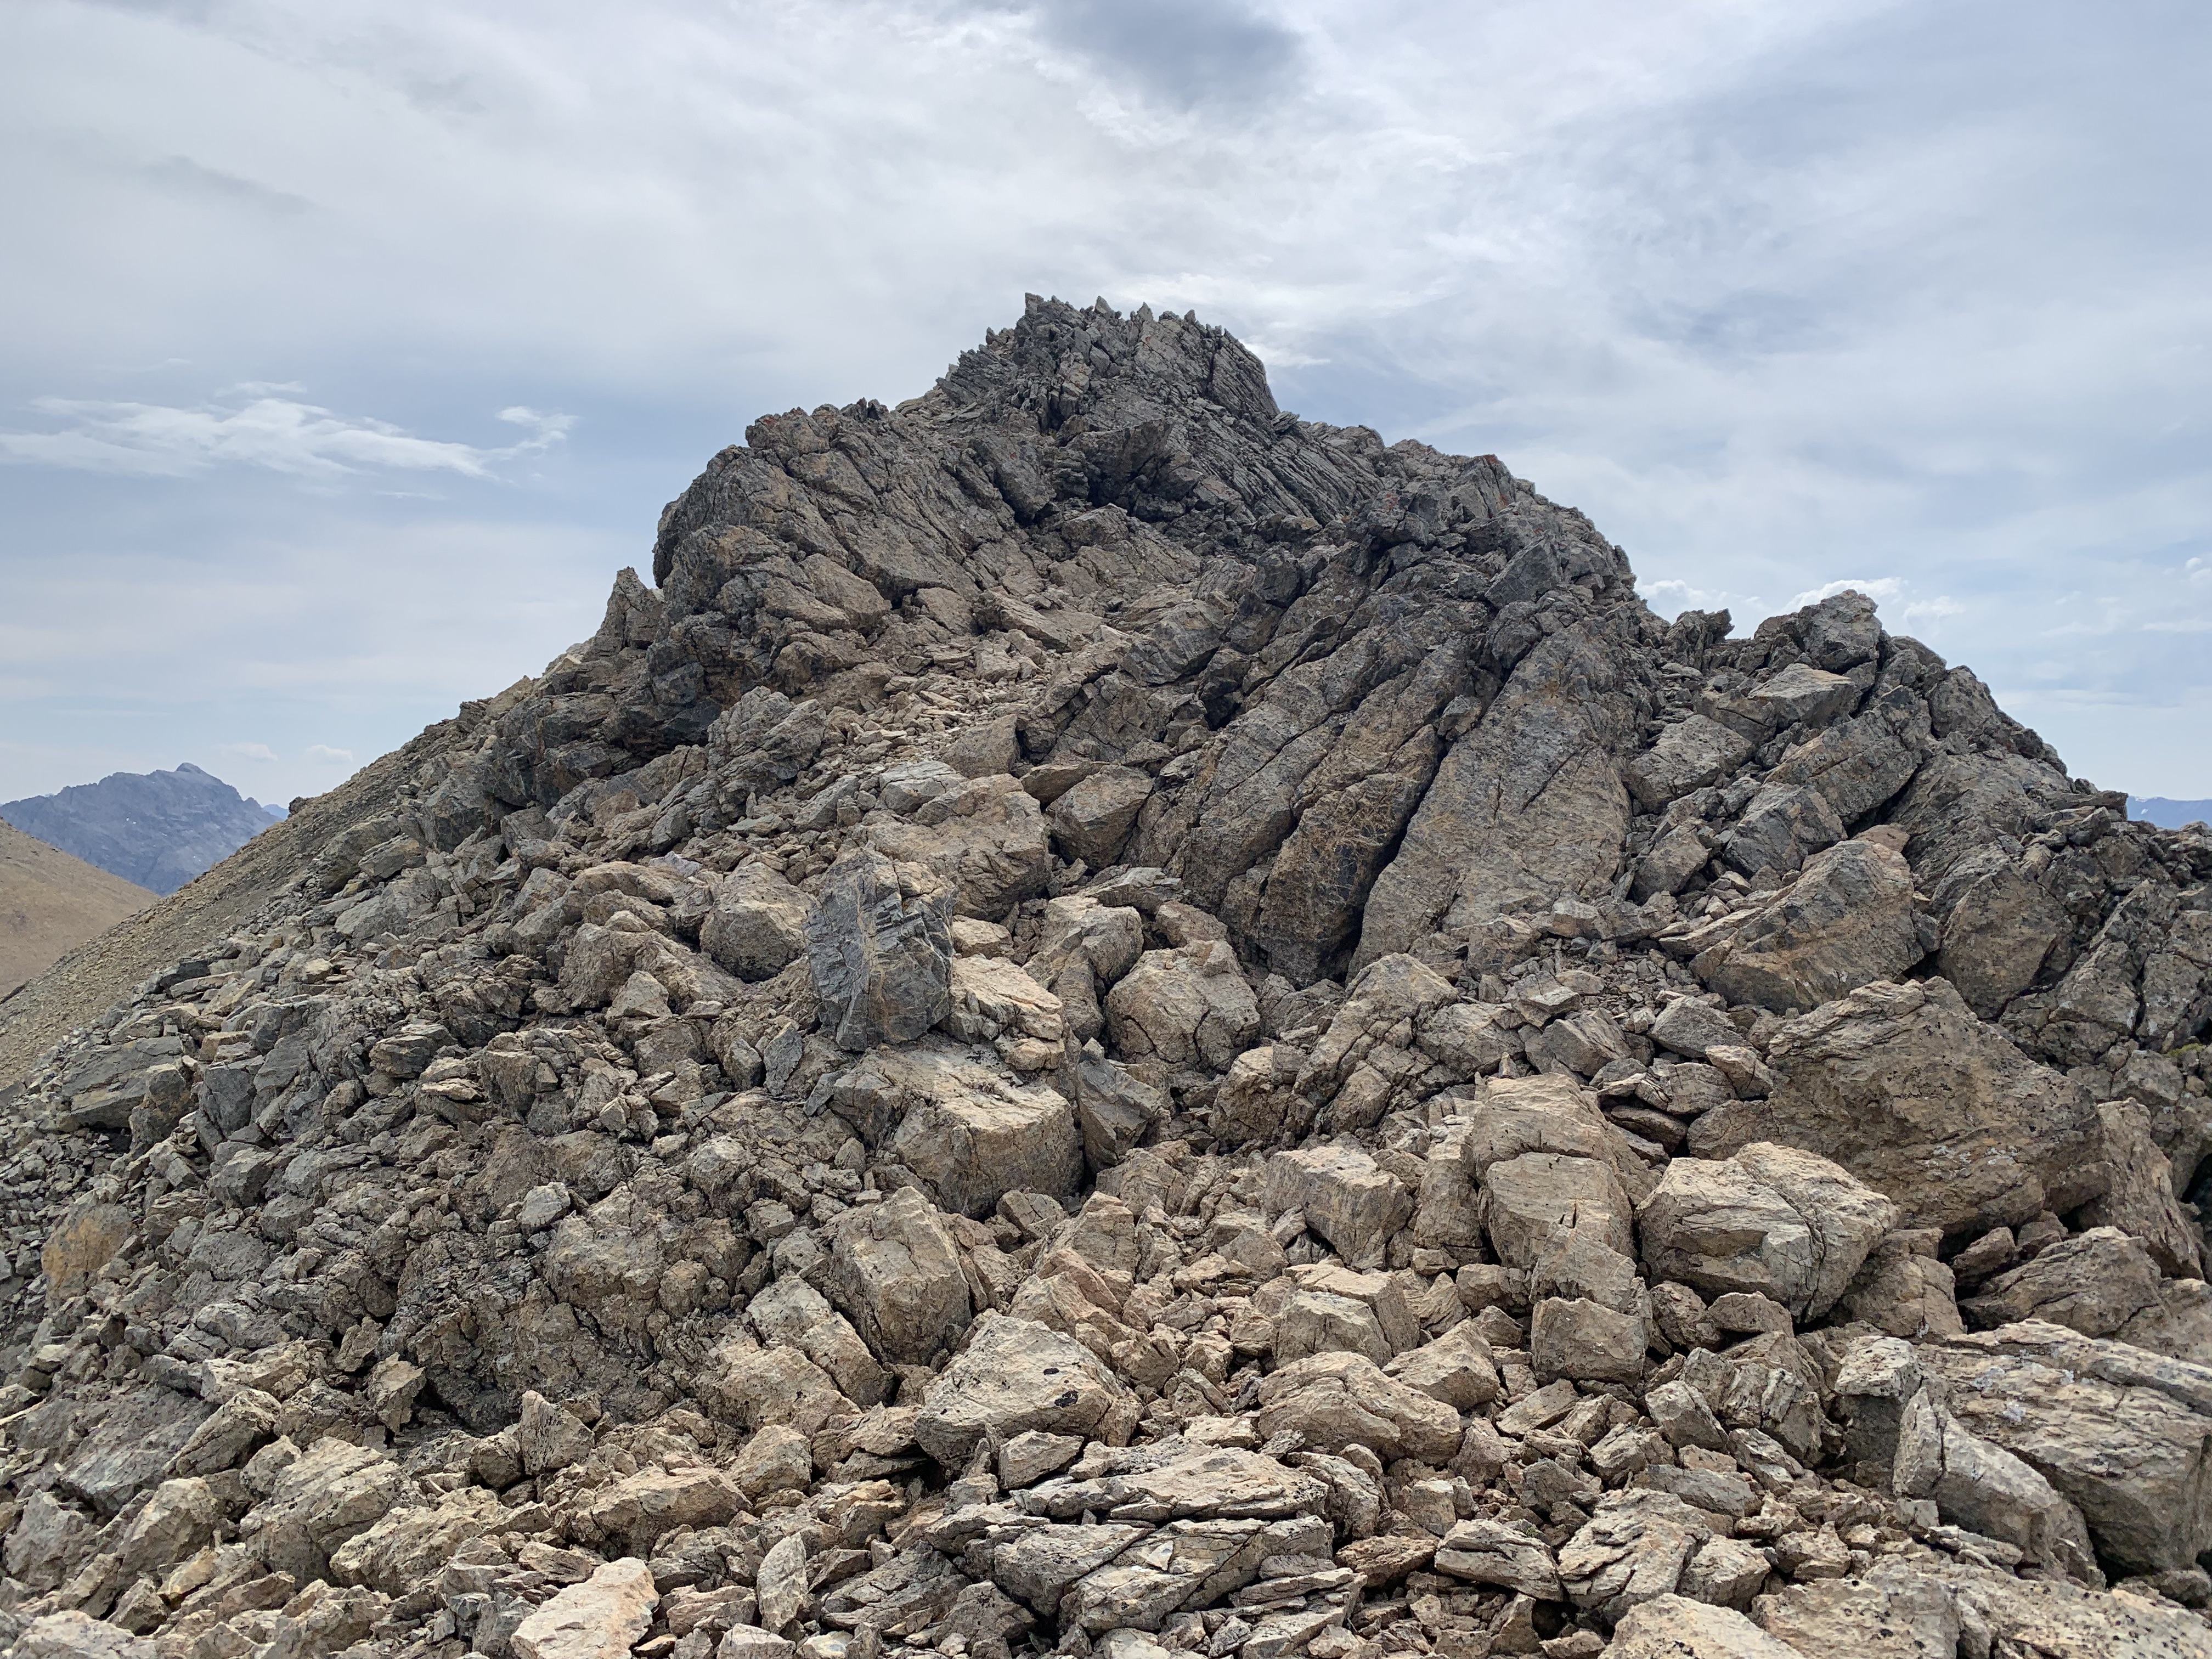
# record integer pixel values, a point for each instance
(51, 903)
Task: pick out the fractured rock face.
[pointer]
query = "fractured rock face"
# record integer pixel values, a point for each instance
(1532, 807)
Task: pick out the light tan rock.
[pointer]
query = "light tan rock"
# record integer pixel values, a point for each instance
(637, 1509)
(2123, 1434)
(1846, 921)
(1987, 1489)
(77, 1635)
(1689, 755)
(1184, 1007)
(1013, 1376)
(1090, 821)
(2094, 1282)
(2140, 1200)
(959, 1118)
(758, 925)
(753, 1387)
(986, 841)
(1586, 1341)
(1458, 1369)
(1336, 1400)
(1674, 1627)
(895, 1272)
(1905, 1088)
(1487, 1552)
(601, 1618)
(1771, 1219)
(1347, 1198)
(1634, 1549)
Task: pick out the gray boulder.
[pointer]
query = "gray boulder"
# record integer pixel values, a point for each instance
(758, 925)
(879, 951)
(1846, 921)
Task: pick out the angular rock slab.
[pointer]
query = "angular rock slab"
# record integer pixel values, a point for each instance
(1674, 1627)
(896, 1272)
(1847, 921)
(599, 1619)
(1014, 1375)
(1771, 1219)
(2125, 1434)
(1905, 1088)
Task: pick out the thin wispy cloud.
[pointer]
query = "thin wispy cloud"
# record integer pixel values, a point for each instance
(276, 434)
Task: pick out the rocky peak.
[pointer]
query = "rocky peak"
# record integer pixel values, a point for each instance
(1108, 1019)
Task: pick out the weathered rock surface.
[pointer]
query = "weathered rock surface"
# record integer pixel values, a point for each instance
(1106, 1021)
(1904, 1087)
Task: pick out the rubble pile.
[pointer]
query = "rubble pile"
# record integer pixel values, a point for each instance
(1111, 1022)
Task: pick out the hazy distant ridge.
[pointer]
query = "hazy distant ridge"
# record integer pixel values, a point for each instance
(158, 829)
(2169, 814)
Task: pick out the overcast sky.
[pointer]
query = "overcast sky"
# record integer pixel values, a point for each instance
(350, 348)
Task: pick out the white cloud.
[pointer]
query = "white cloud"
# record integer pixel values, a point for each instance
(252, 751)
(1878, 589)
(1671, 597)
(276, 433)
(323, 754)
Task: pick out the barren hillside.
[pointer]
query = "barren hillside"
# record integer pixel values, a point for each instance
(50, 903)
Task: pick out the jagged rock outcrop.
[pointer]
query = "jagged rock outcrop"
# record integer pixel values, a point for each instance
(1110, 1020)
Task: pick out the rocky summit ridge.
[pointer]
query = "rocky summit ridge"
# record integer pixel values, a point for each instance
(1109, 1021)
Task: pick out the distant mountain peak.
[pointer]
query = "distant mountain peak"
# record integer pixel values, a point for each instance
(158, 829)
